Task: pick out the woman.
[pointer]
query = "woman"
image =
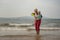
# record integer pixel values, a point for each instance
(37, 20)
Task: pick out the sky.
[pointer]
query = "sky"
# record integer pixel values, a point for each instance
(19, 8)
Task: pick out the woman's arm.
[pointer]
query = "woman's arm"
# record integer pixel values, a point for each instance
(35, 17)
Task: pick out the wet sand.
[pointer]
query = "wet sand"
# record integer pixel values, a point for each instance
(27, 37)
(30, 35)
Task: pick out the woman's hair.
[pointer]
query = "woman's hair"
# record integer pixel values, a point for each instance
(37, 12)
(35, 9)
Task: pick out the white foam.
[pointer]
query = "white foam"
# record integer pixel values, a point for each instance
(16, 28)
(20, 24)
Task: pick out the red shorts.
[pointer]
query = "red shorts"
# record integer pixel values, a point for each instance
(37, 25)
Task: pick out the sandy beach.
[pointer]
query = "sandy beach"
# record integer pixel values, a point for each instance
(30, 34)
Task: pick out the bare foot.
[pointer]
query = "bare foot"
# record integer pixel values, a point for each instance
(37, 33)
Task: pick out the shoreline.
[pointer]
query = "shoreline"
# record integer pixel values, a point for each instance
(28, 28)
(29, 34)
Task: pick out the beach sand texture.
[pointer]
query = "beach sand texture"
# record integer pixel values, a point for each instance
(29, 35)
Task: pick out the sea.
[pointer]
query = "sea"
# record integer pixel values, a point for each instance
(45, 22)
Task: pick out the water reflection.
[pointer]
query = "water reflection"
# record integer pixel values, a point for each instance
(38, 37)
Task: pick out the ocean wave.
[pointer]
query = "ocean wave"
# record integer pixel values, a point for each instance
(15, 25)
(28, 28)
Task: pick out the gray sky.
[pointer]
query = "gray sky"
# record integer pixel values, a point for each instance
(18, 8)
